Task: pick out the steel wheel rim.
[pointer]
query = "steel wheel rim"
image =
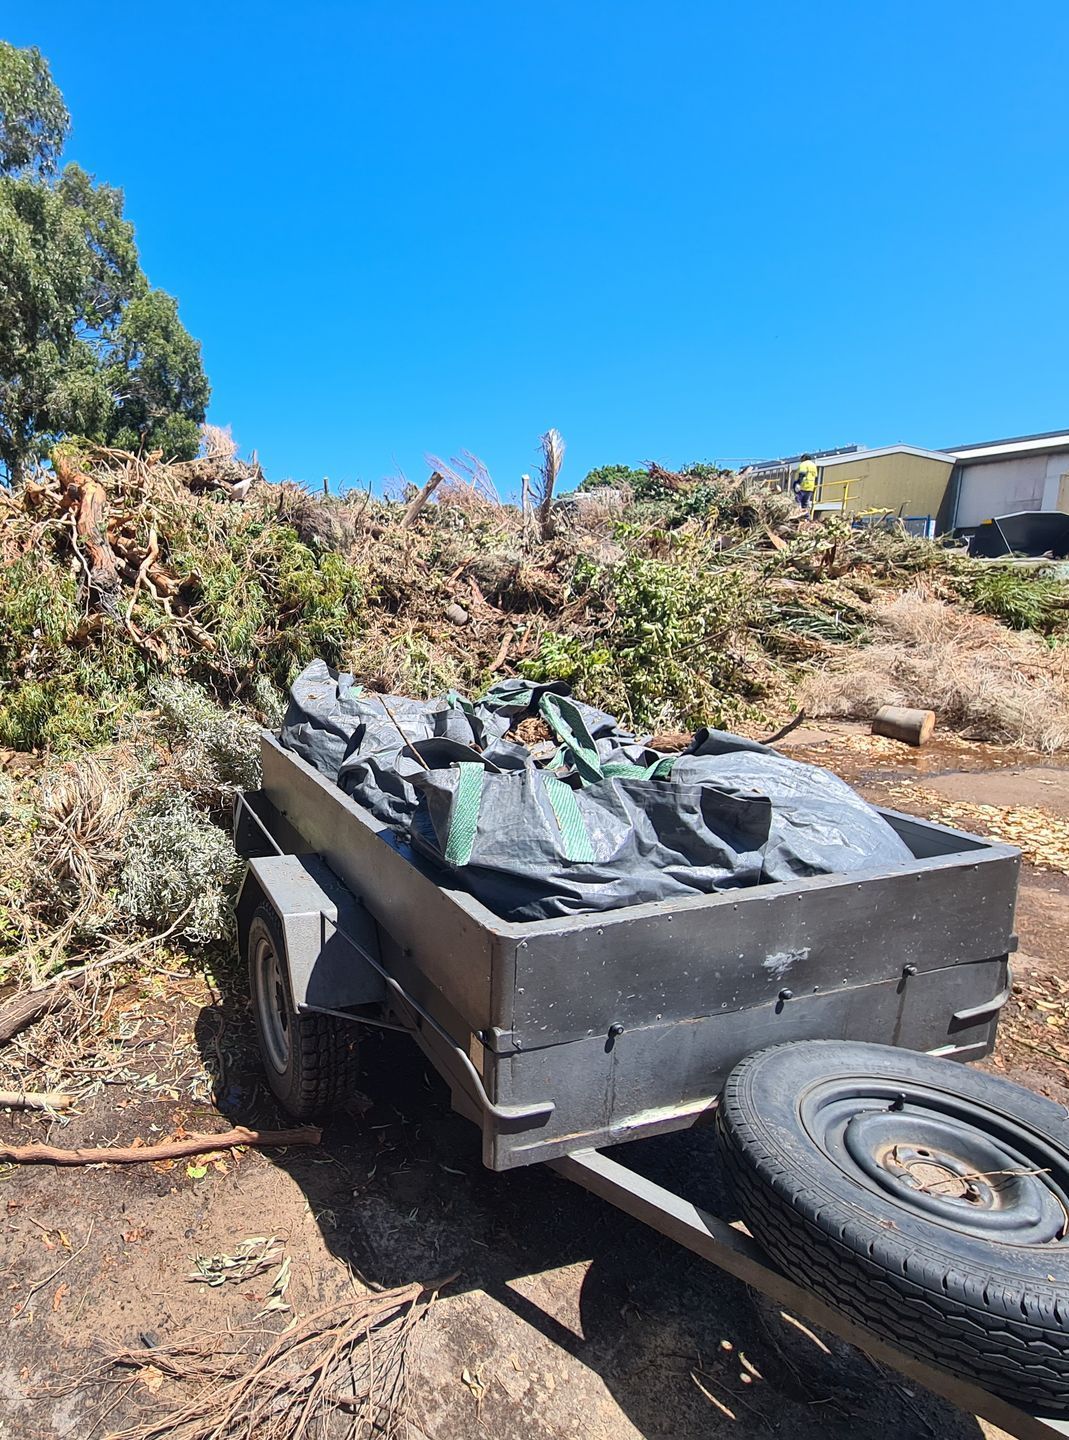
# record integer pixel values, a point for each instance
(942, 1158)
(271, 1003)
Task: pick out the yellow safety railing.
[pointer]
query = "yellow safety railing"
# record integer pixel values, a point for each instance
(845, 485)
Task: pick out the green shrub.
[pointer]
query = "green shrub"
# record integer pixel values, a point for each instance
(181, 871)
(661, 657)
(219, 749)
(1021, 599)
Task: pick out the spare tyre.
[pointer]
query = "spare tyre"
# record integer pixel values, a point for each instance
(928, 1202)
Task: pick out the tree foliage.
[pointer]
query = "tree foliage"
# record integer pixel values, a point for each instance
(86, 348)
(612, 477)
(33, 118)
(164, 389)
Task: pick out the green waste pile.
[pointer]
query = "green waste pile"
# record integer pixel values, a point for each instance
(152, 615)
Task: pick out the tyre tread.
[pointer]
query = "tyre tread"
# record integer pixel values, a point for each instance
(1005, 1337)
(323, 1066)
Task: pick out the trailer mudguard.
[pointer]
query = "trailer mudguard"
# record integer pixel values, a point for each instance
(327, 930)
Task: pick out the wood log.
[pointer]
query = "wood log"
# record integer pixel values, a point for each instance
(897, 722)
(168, 1150)
(26, 1009)
(88, 500)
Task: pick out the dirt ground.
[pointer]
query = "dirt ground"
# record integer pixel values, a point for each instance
(563, 1318)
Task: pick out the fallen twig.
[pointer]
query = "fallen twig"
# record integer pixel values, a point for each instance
(40, 1284)
(791, 725)
(405, 740)
(35, 1100)
(349, 1356)
(167, 1150)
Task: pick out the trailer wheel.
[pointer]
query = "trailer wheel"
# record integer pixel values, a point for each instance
(310, 1060)
(927, 1201)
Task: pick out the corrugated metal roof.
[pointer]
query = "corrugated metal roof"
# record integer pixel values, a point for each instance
(1015, 445)
(791, 460)
(943, 455)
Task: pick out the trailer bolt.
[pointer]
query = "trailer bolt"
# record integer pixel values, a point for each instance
(786, 994)
(615, 1029)
(909, 969)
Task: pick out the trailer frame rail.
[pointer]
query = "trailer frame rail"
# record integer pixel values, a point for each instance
(730, 1247)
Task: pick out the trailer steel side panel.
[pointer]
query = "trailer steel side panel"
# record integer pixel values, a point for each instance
(629, 1020)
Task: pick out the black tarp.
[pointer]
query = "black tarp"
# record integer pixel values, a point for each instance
(1028, 532)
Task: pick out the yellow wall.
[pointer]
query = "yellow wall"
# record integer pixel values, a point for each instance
(906, 484)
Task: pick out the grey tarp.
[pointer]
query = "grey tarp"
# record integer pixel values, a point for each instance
(819, 824)
(533, 847)
(604, 822)
(367, 742)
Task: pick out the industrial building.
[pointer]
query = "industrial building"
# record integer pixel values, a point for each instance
(938, 491)
(1001, 477)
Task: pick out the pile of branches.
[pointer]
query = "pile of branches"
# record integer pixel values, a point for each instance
(344, 1363)
(120, 560)
(693, 603)
(153, 614)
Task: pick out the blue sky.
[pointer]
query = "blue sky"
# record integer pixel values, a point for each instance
(675, 231)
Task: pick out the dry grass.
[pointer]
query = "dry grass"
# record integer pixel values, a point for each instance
(217, 442)
(82, 815)
(63, 848)
(980, 678)
(120, 842)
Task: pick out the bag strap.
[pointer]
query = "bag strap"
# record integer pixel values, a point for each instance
(464, 820)
(567, 724)
(661, 769)
(467, 803)
(456, 701)
(574, 835)
(515, 700)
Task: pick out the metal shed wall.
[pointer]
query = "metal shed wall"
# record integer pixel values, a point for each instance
(905, 483)
(1021, 482)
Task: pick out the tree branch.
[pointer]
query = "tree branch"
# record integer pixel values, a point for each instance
(168, 1150)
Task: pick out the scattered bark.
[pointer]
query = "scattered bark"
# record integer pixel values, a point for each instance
(499, 659)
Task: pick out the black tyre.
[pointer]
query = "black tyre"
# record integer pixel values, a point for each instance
(310, 1060)
(927, 1201)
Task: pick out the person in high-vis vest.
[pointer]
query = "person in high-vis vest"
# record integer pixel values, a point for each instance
(805, 483)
